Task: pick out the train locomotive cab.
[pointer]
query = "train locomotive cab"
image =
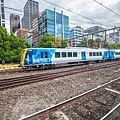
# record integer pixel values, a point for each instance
(36, 58)
(22, 59)
(27, 58)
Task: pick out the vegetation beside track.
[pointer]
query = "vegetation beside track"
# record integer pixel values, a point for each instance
(8, 66)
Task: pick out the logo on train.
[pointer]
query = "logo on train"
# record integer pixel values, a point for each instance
(42, 60)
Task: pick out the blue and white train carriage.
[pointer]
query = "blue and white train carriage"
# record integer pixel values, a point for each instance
(37, 57)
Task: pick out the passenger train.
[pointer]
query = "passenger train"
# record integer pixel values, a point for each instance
(38, 57)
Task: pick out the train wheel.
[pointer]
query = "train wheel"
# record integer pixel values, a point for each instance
(25, 67)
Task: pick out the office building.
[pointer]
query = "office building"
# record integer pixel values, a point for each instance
(30, 9)
(29, 39)
(95, 33)
(114, 37)
(21, 32)
(35, 33)
(76, 36)
(94, 29)
(14, 22)
(2, 13)
(53, 23)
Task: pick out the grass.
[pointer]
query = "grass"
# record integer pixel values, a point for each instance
(8, 66)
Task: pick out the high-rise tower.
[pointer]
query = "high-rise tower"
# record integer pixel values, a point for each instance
(14, 22)
(53, 23)
(2, 13)
(30, 9)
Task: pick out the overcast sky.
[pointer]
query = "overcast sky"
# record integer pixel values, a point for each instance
(86, 8)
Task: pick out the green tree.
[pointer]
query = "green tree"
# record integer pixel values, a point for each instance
(83, 43)
(10, 46)
(47, 42)
(63, 44)
(114, 46)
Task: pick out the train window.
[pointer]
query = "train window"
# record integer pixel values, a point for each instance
(34, 52)
(30, 52)
(69, 54)
(90, 53)
(57, 54)
(26, 55)
(46, 55)
(94, 54)
(100, 53)
(42, 55)
(64, 54)
(117, 53)
(74, 54)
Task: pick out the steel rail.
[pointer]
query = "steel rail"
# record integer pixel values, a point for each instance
(112, 113)
(64, 103)
(12, 82)
(17, 70)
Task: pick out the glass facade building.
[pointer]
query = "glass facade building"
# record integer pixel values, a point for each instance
(76, 36)
(54, 23)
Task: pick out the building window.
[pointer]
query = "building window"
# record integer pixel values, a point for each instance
(2, 1)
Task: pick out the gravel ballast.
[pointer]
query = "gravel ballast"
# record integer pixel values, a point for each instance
(24, 100)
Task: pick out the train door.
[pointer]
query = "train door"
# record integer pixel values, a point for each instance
(30, 55)
(83, 55)
(111, 54)
(106, 55)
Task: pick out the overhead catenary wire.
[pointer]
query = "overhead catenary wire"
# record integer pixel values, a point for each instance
(11, 8)
(26, 14)
(107, 8)
(75, 13)
(92, 21)
(88, 22)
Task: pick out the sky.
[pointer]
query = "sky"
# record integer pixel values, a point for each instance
(84, 13)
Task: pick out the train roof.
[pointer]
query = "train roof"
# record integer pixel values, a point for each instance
(74, 48)
(67, 48)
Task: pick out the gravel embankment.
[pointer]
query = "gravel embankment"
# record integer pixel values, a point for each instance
(24, 100)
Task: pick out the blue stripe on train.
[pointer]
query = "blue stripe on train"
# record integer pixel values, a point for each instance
(34, 56)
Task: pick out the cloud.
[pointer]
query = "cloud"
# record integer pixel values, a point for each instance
(86, 8)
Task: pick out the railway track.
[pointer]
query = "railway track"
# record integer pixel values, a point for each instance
(91, 105)
(13, 82)
(114, 114)
(20, 70)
